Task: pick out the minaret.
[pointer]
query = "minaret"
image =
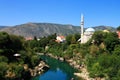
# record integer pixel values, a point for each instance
(82, 28)
(82, 24)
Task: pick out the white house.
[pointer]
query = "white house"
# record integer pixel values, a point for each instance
(60, 39)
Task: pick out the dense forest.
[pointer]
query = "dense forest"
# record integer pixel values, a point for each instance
(100, 54)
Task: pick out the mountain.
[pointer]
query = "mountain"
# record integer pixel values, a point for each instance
(105, 27)
(41, 29)
(45, 29)
(1, 27)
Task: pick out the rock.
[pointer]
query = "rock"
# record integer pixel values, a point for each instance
(77, 66)
(61, 59)
(40, 68)
(25, 66)
(70, 60)
(74, 62)
(56, 57)
(77, 74)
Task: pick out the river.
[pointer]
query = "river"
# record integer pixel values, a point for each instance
(58, 70)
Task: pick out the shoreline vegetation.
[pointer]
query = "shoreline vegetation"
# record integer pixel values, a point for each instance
(98, 59)
(18, 61)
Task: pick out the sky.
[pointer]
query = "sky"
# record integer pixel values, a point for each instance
(96, 12)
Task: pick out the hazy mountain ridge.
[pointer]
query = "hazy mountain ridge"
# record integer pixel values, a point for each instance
(102, 27)
(1, 27)
(45, 29)
(41, 29)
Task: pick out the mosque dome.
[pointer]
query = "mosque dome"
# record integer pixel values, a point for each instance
(90, 30)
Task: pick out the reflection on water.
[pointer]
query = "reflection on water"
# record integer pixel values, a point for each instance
(51, 75)
(58, 70)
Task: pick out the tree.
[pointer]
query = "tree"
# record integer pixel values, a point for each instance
(35, 60)
(111, 41)
(96, 70)
(98, 37)
(73, 40)
(35, 38)
(68, 39)
(3, 59)
(17, 42)
(3, 69)
(4, 40)
(94, 50)
(118, 28)
(116, 50)
(77, 36)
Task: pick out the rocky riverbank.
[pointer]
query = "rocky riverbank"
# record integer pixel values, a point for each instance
(39, 69)
(71, 61)
(82, 69)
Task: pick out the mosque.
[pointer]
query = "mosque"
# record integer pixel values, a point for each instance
(87, 34)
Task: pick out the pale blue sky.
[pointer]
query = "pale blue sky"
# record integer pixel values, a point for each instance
(96, 12)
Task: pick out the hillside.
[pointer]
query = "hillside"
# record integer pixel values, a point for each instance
(104, 27)
(41, 29)
(1, 27)
(45, 29)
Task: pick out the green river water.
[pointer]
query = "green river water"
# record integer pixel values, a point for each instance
(58, 70)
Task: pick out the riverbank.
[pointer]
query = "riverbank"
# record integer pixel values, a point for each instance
(37, 70)
(71, 61)
(59, 70)
(82, 69)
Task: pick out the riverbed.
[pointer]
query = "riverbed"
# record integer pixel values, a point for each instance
(58, 70)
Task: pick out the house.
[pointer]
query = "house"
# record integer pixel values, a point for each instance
(60, 39)
(118, 33)
(28, 38)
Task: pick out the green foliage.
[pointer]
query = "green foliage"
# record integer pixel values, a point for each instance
(110, 41)
(10, 45)
(38, 49)
(118, 28)
(101, 57)
(35, 60)
(11, 67)
(98, 37)
(103, 60)
(83, 50)
(72, 39)
(116, 50)
(94, 50)
(68, 39)
(96, 70)
(17, 43)
(56, 51)
(16, 69)
(4, 40)
(3, 59)
(104, 66)
(3, 69)
(68, 54)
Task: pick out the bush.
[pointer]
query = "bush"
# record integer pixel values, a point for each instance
(3, 59)
(3, 69)
(35, 60)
